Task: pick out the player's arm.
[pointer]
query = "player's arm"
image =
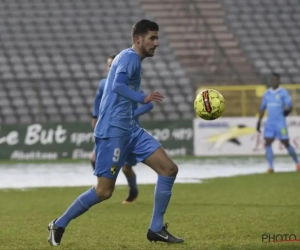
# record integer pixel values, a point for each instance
(126, 69)
(288, 104)
(262, 110)
(120, 86)
(97, 101)
(143, 109)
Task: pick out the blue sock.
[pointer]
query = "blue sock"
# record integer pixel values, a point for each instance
(293, 153)
(162, 195)
(79, 206)
(269, 155)
(132, 184)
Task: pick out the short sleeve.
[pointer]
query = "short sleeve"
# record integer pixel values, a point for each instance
(263, 105)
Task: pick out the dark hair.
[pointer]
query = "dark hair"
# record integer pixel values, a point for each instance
(112, 56)
(143, 26)
(276, 75)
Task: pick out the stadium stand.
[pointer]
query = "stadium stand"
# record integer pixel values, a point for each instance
(54, 51)
(54, 54)
(268, 32)
(233, 42)
(198, 33)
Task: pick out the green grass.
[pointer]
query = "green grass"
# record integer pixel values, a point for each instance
(219, 214)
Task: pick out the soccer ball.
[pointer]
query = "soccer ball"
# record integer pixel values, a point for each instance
(209, 104)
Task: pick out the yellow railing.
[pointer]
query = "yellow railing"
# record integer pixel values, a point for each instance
(245, 100)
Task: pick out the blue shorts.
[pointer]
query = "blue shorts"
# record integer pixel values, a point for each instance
(273, 130)
(112, 153)
(130, 162)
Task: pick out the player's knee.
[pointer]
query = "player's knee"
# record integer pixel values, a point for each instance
(103, 194)
(171, 170)
(105, 187)
(268, 143)
(286, 143)
(174, 170)
(126, 169)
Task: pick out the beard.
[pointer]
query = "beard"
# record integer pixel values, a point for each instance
(147, 53)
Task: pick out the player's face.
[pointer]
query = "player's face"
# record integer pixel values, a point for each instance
(109, 62)
(274, 82)
(149, 43)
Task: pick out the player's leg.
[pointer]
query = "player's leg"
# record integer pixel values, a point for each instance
(148, 150)
(269, 135)
(92, 159)
(291, 152)
(284, 138)
(167, 171)
(131, 180)
(109, 159)
(269, 154)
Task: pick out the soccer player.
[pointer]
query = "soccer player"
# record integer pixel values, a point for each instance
(278, 103)
(118, 137)
(137, 111)
(97, 101)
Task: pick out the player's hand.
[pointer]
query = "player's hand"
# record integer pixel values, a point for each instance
(258, 127)
(93, 123)
(153, 97)
(286, 112)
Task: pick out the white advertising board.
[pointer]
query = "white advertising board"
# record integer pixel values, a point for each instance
(238, 136)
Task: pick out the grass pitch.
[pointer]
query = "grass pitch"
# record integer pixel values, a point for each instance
(219, 214)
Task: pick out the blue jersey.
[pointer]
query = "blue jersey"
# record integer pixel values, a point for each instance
(275, 101)
(137, 111)
(116, 111)
(98, 97)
